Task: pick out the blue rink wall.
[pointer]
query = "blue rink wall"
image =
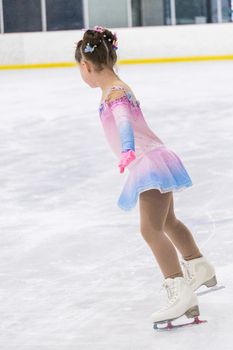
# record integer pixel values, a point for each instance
(170, 43)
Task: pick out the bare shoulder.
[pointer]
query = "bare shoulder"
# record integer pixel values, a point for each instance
(117, 93)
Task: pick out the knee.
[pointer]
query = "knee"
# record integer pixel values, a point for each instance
(150, 233)
(171, 223)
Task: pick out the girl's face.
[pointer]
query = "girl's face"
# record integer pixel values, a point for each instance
(87, 73)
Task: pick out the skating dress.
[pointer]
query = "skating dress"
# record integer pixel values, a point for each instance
(155, 165)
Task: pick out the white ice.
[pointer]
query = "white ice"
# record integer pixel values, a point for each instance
(75, 272)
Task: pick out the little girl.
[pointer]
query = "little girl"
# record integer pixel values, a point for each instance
(154, 173)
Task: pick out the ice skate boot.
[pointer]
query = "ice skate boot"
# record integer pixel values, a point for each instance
(199, 272)
(181, 300)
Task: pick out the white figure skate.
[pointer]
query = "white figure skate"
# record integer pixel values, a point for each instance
(199, 272)
(181, 301)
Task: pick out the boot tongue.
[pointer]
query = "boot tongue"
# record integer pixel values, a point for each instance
(169, 279)
(172, 283)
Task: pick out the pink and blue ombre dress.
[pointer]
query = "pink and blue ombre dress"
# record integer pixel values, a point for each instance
(155, 166)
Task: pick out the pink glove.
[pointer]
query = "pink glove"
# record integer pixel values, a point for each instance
(126, 158)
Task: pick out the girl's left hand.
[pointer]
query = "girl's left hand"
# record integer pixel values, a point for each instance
(126, 158)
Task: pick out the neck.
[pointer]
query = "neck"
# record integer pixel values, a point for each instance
(106, 79)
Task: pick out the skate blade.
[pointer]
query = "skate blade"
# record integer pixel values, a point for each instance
(193, 312)
(158, 326)
(209, 290)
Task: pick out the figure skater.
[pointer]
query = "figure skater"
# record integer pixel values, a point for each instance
(155, 171)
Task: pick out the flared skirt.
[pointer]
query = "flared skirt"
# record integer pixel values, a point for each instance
(161, 169)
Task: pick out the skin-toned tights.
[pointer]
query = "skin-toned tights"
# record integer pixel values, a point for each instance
(164, 232)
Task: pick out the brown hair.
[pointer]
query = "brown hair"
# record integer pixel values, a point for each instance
(104, 54)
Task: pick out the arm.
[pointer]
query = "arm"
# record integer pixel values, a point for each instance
(120, 108)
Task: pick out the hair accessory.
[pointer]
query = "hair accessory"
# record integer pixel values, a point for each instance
(99, 29)
(115, 42)
(89, 48)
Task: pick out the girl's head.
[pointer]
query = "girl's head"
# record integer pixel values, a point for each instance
(95, 53)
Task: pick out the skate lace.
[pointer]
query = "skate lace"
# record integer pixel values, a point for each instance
(188, 270)
(171, 291)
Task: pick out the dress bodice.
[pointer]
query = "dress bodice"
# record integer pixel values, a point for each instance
(125, 126)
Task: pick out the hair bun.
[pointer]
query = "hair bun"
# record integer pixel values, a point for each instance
(108, 36)
(98, 45)
(92, 36)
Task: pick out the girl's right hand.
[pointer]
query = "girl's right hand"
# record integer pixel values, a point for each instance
(126, 158)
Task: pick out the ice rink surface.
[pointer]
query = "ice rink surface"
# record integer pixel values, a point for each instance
(75, 272)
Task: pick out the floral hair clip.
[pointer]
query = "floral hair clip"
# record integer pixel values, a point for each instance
(115, 41)
(99, 29)
(89, 48)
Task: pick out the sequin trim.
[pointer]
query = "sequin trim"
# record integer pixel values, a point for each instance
(126, 98)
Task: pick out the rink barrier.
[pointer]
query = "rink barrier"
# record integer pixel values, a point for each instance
(126, 61)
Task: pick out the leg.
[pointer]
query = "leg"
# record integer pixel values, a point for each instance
(154, 207)
(180, 235)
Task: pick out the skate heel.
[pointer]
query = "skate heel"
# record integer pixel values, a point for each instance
(192, 312)
(212, 282)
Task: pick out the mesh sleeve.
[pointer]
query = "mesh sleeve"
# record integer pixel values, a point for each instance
(121, 110)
